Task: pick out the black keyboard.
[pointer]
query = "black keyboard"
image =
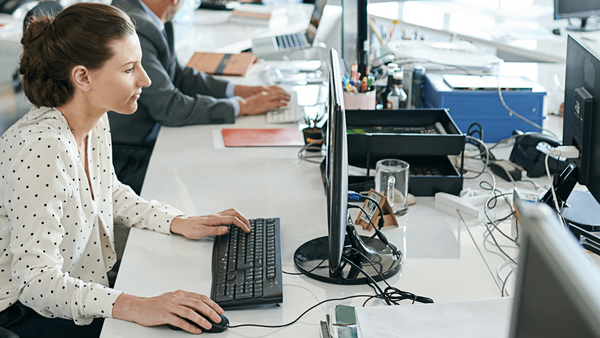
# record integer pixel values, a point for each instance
(246, 268)
(290, 41)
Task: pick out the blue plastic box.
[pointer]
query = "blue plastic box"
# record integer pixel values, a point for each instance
(485, 107)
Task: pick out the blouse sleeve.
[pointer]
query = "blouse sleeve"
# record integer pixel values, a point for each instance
(39, 186)
(132, 210)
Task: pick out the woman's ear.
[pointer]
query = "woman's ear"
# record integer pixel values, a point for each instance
(80, 77)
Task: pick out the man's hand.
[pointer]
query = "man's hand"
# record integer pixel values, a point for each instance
(197, 227)
(260, 99)
(247, 91)
(168, 308)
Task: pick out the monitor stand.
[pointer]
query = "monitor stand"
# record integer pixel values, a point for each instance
(579, 208)
(583, 210)
(312, 259)
(585, 26)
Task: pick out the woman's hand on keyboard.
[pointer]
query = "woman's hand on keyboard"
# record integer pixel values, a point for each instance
(197, 227)
(265, 99)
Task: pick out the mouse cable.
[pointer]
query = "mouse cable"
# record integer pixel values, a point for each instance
(390, 293)
(302, 315)
(311, 270)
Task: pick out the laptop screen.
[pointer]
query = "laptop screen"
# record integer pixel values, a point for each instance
(315, 20)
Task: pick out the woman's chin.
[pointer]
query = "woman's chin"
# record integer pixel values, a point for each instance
(127, 110)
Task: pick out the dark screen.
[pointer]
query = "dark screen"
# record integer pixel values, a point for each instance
(337, 166)
(576, 8)
(583, 71)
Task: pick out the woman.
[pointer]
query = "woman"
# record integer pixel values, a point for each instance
(59, 195)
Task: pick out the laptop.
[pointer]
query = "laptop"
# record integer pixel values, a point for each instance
(289, 42)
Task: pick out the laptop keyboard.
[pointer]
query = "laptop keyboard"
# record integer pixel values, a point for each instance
(290, 41)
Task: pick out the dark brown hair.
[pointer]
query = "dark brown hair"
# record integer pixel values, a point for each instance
(79, 35)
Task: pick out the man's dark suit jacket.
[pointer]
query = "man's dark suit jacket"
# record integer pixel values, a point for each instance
(178, 96)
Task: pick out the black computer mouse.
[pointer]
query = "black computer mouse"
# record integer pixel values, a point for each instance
(216, 327)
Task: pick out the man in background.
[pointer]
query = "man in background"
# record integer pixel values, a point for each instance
(178, 95)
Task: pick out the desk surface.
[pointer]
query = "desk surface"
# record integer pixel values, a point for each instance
(192, 171)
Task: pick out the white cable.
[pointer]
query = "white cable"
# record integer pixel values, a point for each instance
(518, 115)
(551, 184)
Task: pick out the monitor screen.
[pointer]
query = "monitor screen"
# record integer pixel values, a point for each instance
(557, 292)
(582, 9)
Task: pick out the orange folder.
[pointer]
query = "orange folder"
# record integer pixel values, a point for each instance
(222, 64)
(278, 137)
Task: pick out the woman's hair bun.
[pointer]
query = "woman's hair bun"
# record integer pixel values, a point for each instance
(81, 34)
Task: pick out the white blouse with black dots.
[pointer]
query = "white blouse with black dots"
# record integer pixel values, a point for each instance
(56, 239)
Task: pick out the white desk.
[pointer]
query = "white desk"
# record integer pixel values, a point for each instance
(519, 29)
(192, 172)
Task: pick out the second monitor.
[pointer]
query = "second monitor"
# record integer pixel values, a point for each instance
(340, 258)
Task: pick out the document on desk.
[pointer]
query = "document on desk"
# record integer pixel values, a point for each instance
(272, 137)
(488, 318)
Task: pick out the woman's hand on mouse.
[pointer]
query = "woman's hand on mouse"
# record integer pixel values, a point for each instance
(197, 227)
(168, 308)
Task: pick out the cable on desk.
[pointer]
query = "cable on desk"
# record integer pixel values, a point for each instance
(505, 280)
(390, 294)
(303, 156)
(493, 222)
(298, 318)
(378, 232)
(477, 246)
(560, 216)
(311, 270)
(352, 195)
(487, 157)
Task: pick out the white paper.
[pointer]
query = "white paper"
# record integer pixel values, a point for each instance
(488, 318)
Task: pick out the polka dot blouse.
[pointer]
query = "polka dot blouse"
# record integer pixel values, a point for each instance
(56, 239)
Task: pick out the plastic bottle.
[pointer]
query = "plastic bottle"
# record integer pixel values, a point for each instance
(397, 98)
(391, 69)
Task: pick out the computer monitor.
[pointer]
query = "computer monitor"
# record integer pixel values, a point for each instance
(326, 258)
(580, 129)
(580, 9)
(557, 293)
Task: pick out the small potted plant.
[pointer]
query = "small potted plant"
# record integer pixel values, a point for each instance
(313, 135)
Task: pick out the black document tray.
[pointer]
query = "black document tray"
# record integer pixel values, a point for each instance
(382, 134)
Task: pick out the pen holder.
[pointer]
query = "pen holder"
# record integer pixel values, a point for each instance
(360, 100)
